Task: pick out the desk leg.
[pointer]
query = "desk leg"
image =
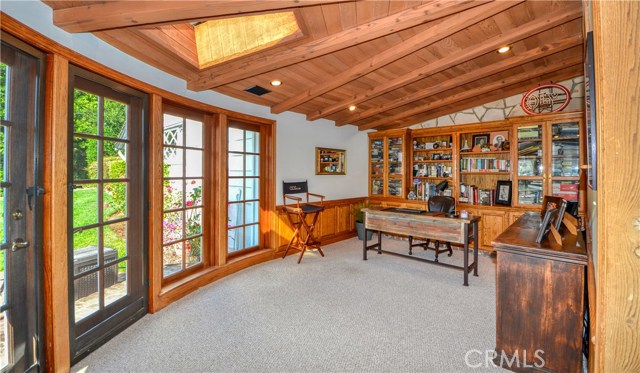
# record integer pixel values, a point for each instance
(475, 249)
(466, 255)
(380, 242)
(364, 245)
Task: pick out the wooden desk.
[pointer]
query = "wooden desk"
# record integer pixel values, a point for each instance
(434, 227)
(539, 299)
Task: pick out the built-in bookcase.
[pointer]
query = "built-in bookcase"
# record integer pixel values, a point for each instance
(432, 162)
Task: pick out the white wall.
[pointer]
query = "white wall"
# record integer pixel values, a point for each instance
(296, 137)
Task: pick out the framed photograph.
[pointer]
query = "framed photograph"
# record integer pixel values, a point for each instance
(484, 196)
(503, 192)
(480, 140)
(549, 220)
(551, 202)
(331, 161)
(436, 157)
(497, 138)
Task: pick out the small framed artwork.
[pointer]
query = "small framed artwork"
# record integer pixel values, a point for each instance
(436, 156)
(484, 196)
(548, 221)
(498, 138)
(480, 140)
(331, 161)
(551, 202)
(503, 192)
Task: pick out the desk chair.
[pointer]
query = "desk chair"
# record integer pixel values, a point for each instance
(297, 214)
(444, 204)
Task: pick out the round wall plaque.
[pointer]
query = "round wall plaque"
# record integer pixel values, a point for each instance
(546, 98)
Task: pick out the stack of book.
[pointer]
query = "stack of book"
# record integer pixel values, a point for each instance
(432, 170)
(485, 165)
(567, 190)
(424, 190)
(529, 133)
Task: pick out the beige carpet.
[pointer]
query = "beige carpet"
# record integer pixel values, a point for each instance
(337, 313)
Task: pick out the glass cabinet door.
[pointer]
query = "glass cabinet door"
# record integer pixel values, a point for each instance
(377, 167)
(530, 169)
(565, 160)
(394, 172)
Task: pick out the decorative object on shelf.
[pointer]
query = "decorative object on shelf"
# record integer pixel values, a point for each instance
(412, 196)
(503, 192)
(465, 147)
(331, 161)
(506, 145)
(546, 98)
(480, 140)
(485, 197)
(498, 138)
(436, 157)
(464, 214)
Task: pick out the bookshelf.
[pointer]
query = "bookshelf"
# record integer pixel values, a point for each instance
(432, 160)
(387, 163)
(484, 159)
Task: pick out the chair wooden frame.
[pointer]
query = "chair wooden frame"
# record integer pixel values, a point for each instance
(298, 213)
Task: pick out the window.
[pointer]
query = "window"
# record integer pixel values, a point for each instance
(183, 184)
(244, 205)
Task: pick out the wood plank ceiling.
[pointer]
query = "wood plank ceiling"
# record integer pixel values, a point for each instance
(400, 62)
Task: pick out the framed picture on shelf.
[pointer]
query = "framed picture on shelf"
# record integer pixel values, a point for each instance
(551, 202)
(484, 196)
(548, 221)
(503, 192)
(436, 156)
(499, 137)
(480, 140)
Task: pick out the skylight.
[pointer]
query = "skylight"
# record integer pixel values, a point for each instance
(224, 39)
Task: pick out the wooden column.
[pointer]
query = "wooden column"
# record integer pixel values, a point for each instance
(156, 200)
(617, 69)
(56, 292)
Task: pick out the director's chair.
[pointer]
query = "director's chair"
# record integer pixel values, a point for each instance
(297, 213)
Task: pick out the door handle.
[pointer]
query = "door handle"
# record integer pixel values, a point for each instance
(18, 244)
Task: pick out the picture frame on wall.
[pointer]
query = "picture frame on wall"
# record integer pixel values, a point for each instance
(503, 192)
(480, 140)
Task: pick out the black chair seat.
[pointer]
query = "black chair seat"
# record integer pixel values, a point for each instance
(307, 209)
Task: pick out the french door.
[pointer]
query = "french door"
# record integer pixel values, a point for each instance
(107, 235)
(20, 249)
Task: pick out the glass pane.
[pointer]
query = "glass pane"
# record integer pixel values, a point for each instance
(252, 167)
(194, 192)
(565, 166)
(194, 222)
(4, 88)
(85, 112)
(172, 130)
(194, 163)
(235, 213)
(4, 133)
(528, 133)
(565, 189)
(115, 282)
(251, 236)
(86, 296)
(235, 189)
(172, 226)
(114, 161)
(172, 196)
(252, 188)
(85, 157)
(236, 164)
(171, 259)
(114, 201)
(530, 192)
(376, 186)
(4, 351)
(85, 250)
(85, 204)
(173, 160)
(377, 149)
(236, 137)
(530, 165)
(565, 151)
(193, 251)
(115, 241)
(395, 187)
(252, 142)
(194, 134)
(115, 119)
(569, 130)
(235, 240)
(252, 212)
(530, 151)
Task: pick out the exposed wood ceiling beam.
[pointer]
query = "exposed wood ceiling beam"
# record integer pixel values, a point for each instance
(180, 39)
(558, 76)
(436, 33)
(248, 67)
(514, 79)
(120, 14)
(526, 30)
(531, 55)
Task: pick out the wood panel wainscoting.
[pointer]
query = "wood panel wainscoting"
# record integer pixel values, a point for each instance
(336, 223)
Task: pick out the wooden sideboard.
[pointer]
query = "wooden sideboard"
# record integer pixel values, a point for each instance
(539, 299)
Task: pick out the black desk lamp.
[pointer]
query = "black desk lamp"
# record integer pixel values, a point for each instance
(441, 186)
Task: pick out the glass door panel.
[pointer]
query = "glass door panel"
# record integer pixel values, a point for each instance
(530, 171)
(376, 167)
(395, 157)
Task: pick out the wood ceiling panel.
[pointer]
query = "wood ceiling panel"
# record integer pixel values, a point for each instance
(430, 79)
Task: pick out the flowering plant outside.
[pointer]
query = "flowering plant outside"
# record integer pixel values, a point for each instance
(175, 229)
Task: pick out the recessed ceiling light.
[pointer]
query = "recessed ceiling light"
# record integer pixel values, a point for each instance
(504, 49)
(276, 83)
(352, 107)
